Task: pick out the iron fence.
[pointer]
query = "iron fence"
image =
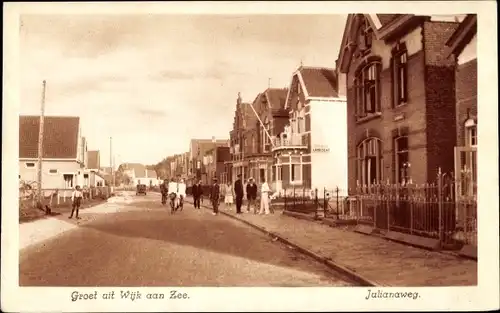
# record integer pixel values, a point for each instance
(437, 210)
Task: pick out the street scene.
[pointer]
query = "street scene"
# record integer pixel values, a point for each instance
(248, 151)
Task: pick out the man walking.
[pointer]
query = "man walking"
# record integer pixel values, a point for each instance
(215, 197)
(238, 191)
(264, 198)
(251, 195)
(197, 193)
(164, 191)
(76, 199)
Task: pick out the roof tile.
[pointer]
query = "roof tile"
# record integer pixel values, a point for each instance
(60, 138)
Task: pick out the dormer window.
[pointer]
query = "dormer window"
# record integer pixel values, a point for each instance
(365, 36)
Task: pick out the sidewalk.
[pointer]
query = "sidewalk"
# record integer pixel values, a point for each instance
(375, 259)
(31, 233)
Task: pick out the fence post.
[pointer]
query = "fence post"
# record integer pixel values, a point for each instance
(440, 206)
(389, 205)
(337, 207)
(411, 202)
(284, 200)
(325, 203)
(316, 201)
(293, 204)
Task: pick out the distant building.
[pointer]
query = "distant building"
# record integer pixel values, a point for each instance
(139, 174)
(214, 162)
(64, 151)
(197, 149)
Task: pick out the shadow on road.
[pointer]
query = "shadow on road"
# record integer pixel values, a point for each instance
(205, 231)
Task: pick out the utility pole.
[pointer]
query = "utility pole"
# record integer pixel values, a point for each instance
(111, 162)
(40, 143)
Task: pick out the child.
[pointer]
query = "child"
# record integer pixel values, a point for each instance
(76, 199)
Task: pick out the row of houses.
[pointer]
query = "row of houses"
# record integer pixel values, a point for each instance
(399, 104)
(66, 160)
(204, 161)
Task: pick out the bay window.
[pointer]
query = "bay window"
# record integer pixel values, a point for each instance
(296, 172)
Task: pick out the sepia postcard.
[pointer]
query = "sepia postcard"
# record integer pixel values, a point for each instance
(250, 156)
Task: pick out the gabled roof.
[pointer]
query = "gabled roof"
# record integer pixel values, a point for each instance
(384, 27)
(93, 159)
(60, 136)
(387, 18)
(463, 34)
(276, 97)
(319, 81)
(151, 174)
(139, 169)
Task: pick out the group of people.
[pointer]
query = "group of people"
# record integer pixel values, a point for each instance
(236, 194)
(175, 190)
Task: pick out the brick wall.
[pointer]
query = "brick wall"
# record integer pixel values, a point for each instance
(466, 96)
(440, 98)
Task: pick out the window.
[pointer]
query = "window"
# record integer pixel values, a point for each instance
(367, 86)
(365, 37)
(400, 74)
(30, 165)
(53, 171)
(296, 172)
(402, 160)
(68, 180)
(470, 133)
(369, 162)
(262, 174)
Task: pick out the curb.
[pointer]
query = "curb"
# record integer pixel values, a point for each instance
(364, 282)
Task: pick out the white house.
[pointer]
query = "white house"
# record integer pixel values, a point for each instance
(312, 151)
(64, 152)
(139, 174)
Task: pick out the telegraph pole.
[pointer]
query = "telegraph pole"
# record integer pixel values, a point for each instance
(40, 142)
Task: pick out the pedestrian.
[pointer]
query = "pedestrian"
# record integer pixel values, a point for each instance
(238, 190)
(76, 199)
(265, 191)
(164, 191)
(197, 193)
(251, 195)
(215, 197)
(228, 195)
(181, 193)
(172, 193)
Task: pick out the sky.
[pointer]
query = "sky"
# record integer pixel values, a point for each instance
(153, 82)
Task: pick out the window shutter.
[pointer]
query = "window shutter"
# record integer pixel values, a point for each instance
(405, 78)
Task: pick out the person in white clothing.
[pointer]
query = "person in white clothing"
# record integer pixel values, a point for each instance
(76, 199)
(181, 193)
(265, 191)
(172, 193)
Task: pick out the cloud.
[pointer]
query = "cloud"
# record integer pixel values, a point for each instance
(137, 78)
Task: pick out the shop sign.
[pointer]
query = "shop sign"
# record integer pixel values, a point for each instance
(321, 148)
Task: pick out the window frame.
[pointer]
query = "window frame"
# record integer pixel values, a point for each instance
(400, 75)
(470, 128)
(367, 84)
(363, 158)
(293, 173)
(399, 179)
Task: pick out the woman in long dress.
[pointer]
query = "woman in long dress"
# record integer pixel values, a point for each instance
(228, 195)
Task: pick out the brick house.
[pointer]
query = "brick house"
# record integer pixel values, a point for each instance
(266, 122)
(196, 170)
(311, 150)
(237, 140)
(463, 50)
(400, 98)
(215, 159)
(64, 151)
